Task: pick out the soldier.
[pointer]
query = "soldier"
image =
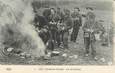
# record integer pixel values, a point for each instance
(60, 26)
(60, 15)
(47, 13)
(67, 27)
(90, 28)
(53, 26)
(77, 22)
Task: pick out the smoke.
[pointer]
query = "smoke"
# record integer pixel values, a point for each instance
(16, 28)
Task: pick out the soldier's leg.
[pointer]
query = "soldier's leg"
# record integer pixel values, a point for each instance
(54, 37)
(65, 39)
(62, 36)
(61, 40)
(87, 44)
(50, 45)
(72, 35)
(93, 47)
(58, 38)
(76, 33)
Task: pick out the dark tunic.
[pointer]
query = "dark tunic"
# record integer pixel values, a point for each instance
(46, 14)
(40, 21)
(77, 22)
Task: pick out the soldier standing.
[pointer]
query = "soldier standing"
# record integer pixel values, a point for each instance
(67, 27)
(60, 26)
(90, 28)
(77, 22)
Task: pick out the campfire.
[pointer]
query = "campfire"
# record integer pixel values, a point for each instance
(16, 30)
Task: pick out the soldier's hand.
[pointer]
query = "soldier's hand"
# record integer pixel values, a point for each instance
(51, 22)
(45, 30)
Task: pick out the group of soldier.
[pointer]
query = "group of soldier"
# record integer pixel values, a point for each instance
(55, 24)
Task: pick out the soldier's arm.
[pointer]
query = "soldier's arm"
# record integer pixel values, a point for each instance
(84, 28)
(69, 24)
(83, 15)
(80, 19)
(98, 28)
(72, 15)
(102, 28)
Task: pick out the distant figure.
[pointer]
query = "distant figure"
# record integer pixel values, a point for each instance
(77, 22)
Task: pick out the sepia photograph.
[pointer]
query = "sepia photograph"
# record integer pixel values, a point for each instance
(56, 32)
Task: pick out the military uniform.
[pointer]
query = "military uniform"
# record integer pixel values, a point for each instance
(53, 27)
(68, 25)
(40, 21)
(77, 22)
(90, 28)
(60, 26)
(46, 14)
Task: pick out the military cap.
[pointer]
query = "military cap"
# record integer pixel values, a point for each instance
(77, 8)
(90, 8)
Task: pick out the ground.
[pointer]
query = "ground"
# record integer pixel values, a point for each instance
(104, 54)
